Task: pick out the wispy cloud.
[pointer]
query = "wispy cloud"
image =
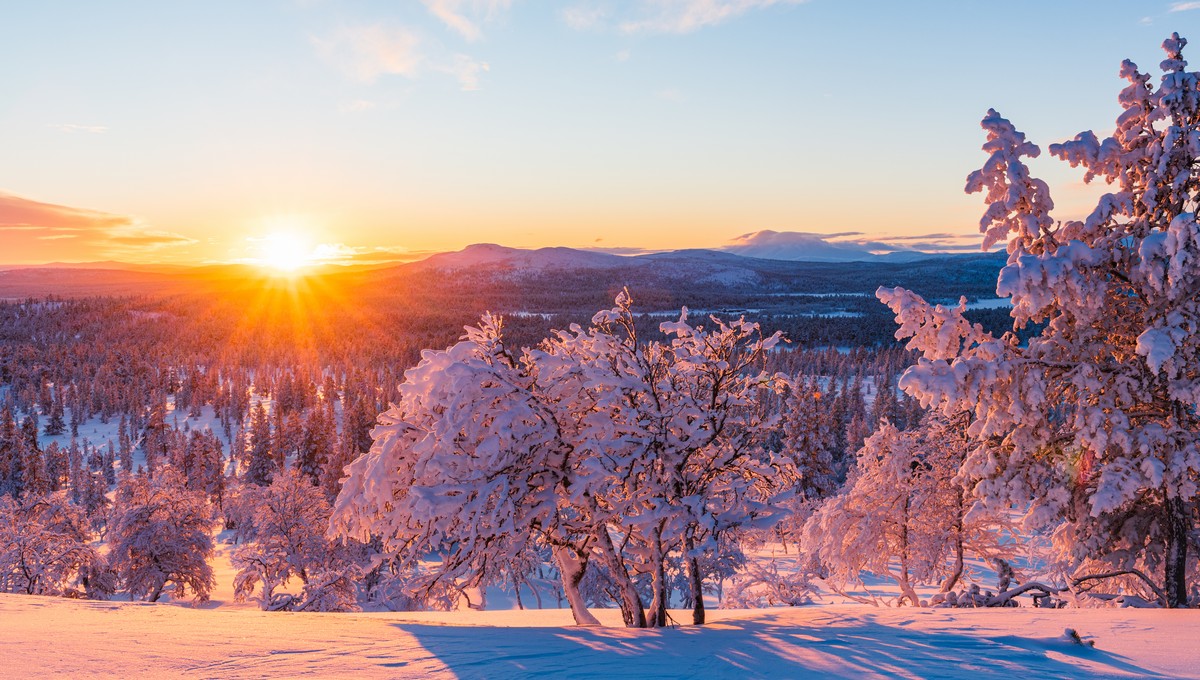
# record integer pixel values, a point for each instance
(622, 250)
(797, 245)
(24, 214)
(340, 253)
(367, 52)
(152, 239)
(34, 230)
(464, 69)
(464, 16)
(585, 17)
(1184, 6)
(72, 128)
(687, 16)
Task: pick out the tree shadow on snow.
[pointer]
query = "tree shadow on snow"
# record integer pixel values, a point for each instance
(761, 648)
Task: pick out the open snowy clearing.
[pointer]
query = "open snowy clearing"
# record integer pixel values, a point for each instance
(41, 636)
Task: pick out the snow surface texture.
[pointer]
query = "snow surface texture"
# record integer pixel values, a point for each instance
(851, 641)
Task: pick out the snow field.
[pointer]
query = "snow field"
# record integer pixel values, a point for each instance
(139, 640)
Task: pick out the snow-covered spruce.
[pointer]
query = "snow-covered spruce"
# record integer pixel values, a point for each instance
(1093, 423)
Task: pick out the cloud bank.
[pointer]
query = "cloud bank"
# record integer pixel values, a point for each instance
(33, 231)
(845, 246)
(663, 16)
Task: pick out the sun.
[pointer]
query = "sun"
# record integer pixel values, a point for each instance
(285, 252)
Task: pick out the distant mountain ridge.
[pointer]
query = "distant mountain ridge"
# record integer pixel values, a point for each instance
(483, 269)
(490, 254)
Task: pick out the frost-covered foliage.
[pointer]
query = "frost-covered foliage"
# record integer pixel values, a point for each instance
(597, 445)
(284, 530)
(45, 547)
(902, 514)
(160, 537)
(1092, 424)
(766, 586)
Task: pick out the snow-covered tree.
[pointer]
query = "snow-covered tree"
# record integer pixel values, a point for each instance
(160, 535)
(13, 455)
(880, 522)
(809, 439)
(1093, 423)
(596, 444)
(679, 435)
(259, 463)
(467, 465)
(285, 540)
(903, 512)
(317, 444)
(45, 545)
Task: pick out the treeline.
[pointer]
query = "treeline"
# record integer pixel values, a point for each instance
(117, 414)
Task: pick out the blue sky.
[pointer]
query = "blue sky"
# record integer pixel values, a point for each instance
(192, 131)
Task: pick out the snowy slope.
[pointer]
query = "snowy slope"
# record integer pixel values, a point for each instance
(146, 640)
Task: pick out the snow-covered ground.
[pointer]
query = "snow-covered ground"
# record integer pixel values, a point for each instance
(53, 637)
(42, 636)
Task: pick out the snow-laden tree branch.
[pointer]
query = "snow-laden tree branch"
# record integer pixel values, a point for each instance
(1093, 423)
(596, 444)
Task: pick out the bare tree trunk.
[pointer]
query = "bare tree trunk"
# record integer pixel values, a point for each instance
(956, 573)
(1175, 567)
(696, 580)
(571, 567)
(517, 590)
(905, 581)
(632, 611)
(658, 607)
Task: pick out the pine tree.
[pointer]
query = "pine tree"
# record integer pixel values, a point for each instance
(12, 455)
(808, 439)
(55, 425)
(260, 464)
(157, 439)
(316, 446)
(125, 445)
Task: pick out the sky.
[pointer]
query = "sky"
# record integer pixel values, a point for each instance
(360, 130)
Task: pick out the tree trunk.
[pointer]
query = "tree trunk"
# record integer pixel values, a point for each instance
(956, 573)
(657, 617)
(1175, 567)
(905, 581)
(571, 568)
(696, 579)
(632, 611)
